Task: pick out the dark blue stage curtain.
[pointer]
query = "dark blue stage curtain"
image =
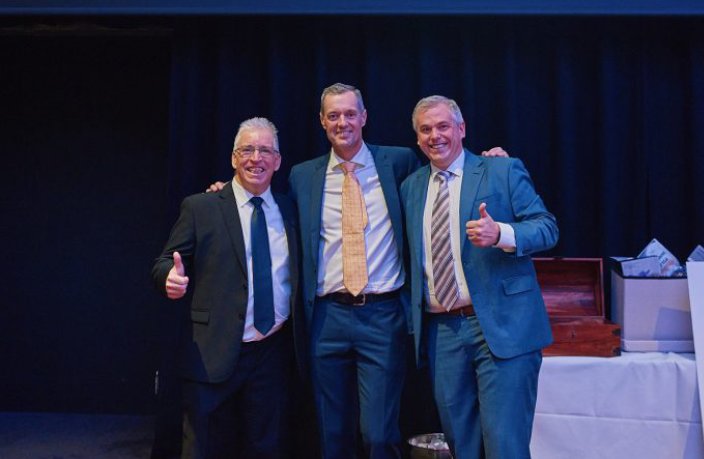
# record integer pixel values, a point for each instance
(606, 112)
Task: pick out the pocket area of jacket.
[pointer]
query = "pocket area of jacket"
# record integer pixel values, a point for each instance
(200, 317)
(518, 284)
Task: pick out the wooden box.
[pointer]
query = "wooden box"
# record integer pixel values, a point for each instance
(574, 296)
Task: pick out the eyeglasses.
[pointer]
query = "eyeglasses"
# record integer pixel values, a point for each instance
(248, 150)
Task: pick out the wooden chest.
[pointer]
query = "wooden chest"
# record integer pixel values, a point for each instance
(574, 296)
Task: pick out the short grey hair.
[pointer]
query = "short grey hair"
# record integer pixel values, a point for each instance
(257, 123)
(341, 88)
(429, 102)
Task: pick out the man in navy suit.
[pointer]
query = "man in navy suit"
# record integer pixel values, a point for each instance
(236, 368)
(357, 342)
(477, 309)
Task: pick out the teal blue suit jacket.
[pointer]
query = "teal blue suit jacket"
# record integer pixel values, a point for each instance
(306, 186)
(503, 286)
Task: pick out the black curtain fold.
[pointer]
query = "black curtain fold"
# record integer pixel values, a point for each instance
(605, 111)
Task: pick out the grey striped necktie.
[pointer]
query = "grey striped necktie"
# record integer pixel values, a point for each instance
(446, 290)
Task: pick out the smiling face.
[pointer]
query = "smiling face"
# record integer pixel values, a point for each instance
(254, 172)
(439, 134)
(343, 120)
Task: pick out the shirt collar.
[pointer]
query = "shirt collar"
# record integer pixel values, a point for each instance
(455, 168)
(243, 196)
(362, 159)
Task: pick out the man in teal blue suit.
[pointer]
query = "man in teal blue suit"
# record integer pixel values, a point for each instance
(477, 310)
(357, 341)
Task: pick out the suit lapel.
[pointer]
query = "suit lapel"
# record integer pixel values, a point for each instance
(416, 206)
(471, 177)
(289, 218)
(231, 217)
(387, 180)
(315, 213)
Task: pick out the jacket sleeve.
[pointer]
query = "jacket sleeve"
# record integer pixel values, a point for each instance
(535, 228)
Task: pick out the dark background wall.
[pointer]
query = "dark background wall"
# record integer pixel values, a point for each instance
(84, 143)
(108, 122)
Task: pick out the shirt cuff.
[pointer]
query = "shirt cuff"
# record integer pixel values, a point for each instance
(507, 238)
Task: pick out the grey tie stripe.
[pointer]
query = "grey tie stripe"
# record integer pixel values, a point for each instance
(446, 290)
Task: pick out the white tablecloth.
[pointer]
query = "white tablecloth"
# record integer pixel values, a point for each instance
(636, 406)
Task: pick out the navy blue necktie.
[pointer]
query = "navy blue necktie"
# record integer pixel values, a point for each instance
(261, 270)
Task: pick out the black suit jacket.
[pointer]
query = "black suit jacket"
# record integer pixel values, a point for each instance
(208, 235)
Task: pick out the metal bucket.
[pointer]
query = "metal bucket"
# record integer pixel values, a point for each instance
(429, 446)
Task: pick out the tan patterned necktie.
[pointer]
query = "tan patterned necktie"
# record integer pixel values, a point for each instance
(354, 220)
(446, 290)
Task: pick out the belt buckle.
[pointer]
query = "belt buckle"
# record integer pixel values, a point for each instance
(363, 297)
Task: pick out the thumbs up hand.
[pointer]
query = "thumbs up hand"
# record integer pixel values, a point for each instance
(176, 281)
(484, 232)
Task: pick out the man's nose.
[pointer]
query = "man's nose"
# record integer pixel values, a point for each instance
(256, 155)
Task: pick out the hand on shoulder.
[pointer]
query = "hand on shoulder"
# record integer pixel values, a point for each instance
(496, 152)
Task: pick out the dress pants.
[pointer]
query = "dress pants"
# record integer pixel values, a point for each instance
(246, 416)
(357, 368)
(486, 404)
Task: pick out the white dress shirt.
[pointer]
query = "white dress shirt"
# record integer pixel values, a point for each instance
(384, 266)
(278, 247)
(507, 240)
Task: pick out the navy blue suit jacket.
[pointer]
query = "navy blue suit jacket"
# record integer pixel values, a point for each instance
(307, 182)
(208, 235)
(503, 286)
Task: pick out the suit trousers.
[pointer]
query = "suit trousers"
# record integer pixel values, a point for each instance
(486, 404)
(358, 368)
(246, 416)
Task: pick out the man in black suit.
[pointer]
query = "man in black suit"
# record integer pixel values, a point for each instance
(236, 352)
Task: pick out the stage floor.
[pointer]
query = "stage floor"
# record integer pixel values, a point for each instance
(75, 436)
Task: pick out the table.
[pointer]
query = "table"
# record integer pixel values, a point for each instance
(635, 406)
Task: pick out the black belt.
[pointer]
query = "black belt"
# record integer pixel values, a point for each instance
(361, 299)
